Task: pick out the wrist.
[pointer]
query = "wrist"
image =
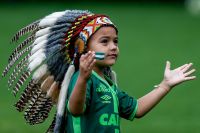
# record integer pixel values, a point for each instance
(82, 79)
(163, 85)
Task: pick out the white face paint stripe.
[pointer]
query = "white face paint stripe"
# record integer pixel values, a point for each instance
(99, 56)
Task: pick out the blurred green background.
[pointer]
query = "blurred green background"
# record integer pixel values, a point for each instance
(149, 34)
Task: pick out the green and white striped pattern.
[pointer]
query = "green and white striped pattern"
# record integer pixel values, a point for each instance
(99, 55)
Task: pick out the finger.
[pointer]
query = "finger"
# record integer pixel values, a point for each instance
(187, 67)
(190, 78)
(189, 73)
(167, 65)
(85, 56)
(181, 67)
(92, 64)
(82, 57)
(90, 59)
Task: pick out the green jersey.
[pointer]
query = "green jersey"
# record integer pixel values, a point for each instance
(105, 104)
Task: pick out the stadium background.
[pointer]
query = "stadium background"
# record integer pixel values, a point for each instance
(149, 34)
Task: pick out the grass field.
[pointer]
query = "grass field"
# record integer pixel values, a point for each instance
(149, 35)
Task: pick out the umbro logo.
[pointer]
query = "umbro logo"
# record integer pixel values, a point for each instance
(106, 98)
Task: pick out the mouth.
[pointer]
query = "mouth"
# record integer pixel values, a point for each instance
(112, 55)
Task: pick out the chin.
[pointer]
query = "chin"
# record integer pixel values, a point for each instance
(106, 63)
(110, 63)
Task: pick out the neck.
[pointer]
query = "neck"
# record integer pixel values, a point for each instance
(99, 71)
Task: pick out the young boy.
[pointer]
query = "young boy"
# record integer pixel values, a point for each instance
(70, 60)
(96, 102)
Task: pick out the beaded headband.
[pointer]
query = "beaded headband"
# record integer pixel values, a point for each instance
(84, 27)
(93, 26)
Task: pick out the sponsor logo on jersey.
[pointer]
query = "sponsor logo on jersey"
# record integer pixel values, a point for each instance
(103, 88)
(109, 119)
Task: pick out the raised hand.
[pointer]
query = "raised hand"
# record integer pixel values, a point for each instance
(171, 79)
(87, 62)
(178, 75)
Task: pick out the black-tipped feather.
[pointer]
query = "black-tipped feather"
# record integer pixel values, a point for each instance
(25, 30)
(20, 54)
(51, 127)
(38, 109)
(18, 69)
(27, 73)
(21, 46)
(32, 102)
(21, 81)
(25, 96)
(42, 109)
(15, 74)
(8, 67)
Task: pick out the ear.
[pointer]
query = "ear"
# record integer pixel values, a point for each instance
(80, 44)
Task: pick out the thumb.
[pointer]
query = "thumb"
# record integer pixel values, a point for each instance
(168, 64)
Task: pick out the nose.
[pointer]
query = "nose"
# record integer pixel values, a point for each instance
(113, 46)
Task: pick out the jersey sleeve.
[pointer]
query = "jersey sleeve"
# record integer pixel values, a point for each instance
(71, 87)
(127, 105)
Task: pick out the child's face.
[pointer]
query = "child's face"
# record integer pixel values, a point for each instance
(105, 40)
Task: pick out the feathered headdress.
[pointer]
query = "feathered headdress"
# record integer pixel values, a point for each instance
(44, 62)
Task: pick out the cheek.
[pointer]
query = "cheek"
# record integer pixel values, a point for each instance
(118, 50)
(92, 46)
(98, 48)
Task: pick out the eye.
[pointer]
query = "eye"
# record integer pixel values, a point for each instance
(116, 42)
(104, 41)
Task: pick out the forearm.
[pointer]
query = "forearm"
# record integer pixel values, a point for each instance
(78, 96)
(147, 102)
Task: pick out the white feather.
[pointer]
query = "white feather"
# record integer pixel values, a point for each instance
(43, 32)
(36, 62)
(40, 72)
(38, 46)
(41, 38)
(63, 91)
(55, 15)
(46, 22)
(36, 54)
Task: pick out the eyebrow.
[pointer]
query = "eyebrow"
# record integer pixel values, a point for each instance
(108, 37)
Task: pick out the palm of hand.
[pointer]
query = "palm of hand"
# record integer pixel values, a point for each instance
(87, 62)
(178, 75)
